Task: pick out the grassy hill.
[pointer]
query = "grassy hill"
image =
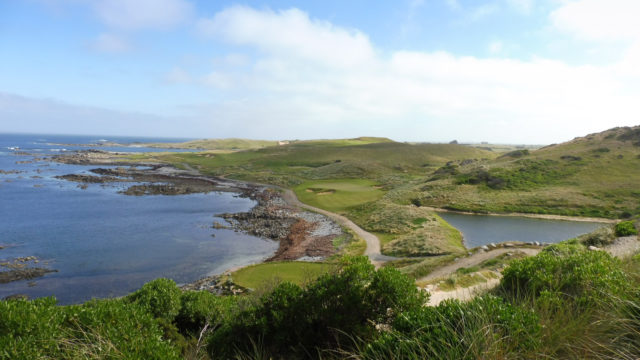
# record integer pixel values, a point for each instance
(360, 178)
(217, 144)
(595, 175)
(291, 164)
(387, 187)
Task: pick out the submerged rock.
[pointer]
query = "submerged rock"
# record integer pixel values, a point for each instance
(23, 274)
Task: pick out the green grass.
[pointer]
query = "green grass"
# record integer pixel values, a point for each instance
(217, 144)
(338, 195)
(576, 178)
(297, 272)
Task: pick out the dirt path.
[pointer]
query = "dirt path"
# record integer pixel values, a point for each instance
(622, 247)
(462, 294)
(373, 243)
(474, 260)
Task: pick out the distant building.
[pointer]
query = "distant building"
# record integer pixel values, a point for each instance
(284, 142)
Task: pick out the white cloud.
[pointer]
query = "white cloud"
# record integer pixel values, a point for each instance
(453, 4)
(599, 19)
(109, 43)
(523, 6)
(233, 59)
(315, 78)
(496, 47)
(483, 11)
(289, 33)
(178, 75)
(142, 14)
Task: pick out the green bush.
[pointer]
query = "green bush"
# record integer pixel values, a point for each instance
(161, 297)
(565, 272)
(626, 228)
(481, 328)
(336, 307)
(201, 307)
(97, 329)
(600, 237)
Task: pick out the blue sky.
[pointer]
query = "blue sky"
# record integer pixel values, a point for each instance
(510, 71)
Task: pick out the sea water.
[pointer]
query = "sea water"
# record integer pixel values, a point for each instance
(104, 243)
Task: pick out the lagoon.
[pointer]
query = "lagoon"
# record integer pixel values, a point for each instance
(479, 230)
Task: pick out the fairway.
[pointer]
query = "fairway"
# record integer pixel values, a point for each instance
(338, 195)
(297, 272)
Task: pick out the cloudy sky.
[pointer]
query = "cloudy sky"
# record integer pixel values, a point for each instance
(510, 71)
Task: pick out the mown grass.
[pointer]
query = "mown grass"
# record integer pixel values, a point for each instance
(338, 195)
(297, 272)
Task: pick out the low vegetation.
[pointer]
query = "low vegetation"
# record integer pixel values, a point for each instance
(625, 228)
(591, 176)
(567, 302)
(265, 274)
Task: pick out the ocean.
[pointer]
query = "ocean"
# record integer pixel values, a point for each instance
(103, 243)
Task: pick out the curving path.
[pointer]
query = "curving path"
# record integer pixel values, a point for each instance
(373, 243)
(474, 260)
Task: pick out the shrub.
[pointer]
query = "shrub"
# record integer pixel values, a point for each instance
(600, 237)
(201, 307)
(625, 228)
(457, 330)
(516, 154)
(566, 272)
(97, 329)
(346, 303)
(161, 297)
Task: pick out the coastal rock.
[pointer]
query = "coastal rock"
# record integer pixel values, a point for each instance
(8, 172)
(19, 269)
(88, 178)
(23, 274)
(484, 247)
(217, 284)
(593, 248)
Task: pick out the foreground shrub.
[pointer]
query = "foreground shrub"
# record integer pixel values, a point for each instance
(626, 228)
(484, 327)
(201, 308)
(161, 297)
(294, 322)
(565, 272)
(600, 237)
(97, 329)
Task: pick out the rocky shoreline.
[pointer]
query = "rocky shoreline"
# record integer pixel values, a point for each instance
(302, 235)
(22, 268)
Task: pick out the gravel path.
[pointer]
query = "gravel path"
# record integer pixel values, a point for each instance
(474, 260)
(373, 243)
(622, 247)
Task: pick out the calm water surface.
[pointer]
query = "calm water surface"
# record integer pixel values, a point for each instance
(481, 230)
(104, 243)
